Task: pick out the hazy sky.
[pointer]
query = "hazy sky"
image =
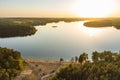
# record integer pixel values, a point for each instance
(42, 8)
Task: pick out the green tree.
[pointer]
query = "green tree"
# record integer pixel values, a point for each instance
(83, 57)
(95, 56)
(76, 59)
(104, 69)
(61, 59)
(11, 63)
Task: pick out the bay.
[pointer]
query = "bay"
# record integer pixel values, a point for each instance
(64, 40)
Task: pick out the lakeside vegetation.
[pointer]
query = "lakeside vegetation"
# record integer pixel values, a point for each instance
(18, 27)
(104, 66)
(15, 27)
(41, 21)
(11, 64)
(15, 30)
(110, 22)
(9, 28)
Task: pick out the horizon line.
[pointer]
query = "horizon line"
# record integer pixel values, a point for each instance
(58, 17)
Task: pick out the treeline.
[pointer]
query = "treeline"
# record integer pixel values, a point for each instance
(41, 21)
(99, 23)
(104, 23)
(11, 64)
(13, 27)
(10, 29)
(104, 66)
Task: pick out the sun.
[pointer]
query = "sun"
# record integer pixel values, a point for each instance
(93, 8)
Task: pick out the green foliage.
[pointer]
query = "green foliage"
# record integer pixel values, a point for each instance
(11, 29)
(99, 23)
(95, 56)
(68, 73)
(105, 66)
(83, 57)
(108, 22)
(76, 59)
(61, 59)
(11, 63)
(106, 56)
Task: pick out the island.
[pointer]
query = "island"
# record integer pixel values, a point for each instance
(108, 22)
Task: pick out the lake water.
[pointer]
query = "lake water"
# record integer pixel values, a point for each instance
(64, 41)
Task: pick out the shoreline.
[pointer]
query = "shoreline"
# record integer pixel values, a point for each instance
(36, 69)
(43, 60)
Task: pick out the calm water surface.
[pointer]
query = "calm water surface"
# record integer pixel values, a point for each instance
(66, 40)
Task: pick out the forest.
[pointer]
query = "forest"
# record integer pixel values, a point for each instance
(18, 27)
(15, 29)
(110, 22)
(104, 66)
(11, 64)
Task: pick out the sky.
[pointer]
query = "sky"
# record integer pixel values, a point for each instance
(46, 8)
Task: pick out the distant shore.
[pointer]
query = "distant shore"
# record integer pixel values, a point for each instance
(103, 23)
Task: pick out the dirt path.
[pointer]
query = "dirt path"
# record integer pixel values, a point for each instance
(40, 69)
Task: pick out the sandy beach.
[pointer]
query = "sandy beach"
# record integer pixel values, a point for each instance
(37, 69)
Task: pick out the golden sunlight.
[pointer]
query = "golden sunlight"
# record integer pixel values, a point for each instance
(93, 8)
(90, 31)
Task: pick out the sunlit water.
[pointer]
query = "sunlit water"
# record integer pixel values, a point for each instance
(64, 41)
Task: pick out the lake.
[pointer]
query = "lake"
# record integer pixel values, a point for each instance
(64, 40)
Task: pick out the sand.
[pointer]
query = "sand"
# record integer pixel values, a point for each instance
(37, 69)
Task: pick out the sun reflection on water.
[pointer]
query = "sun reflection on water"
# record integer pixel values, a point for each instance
(90, 31)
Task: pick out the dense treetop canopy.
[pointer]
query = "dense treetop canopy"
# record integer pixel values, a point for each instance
(104, 66)
(11, 63)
